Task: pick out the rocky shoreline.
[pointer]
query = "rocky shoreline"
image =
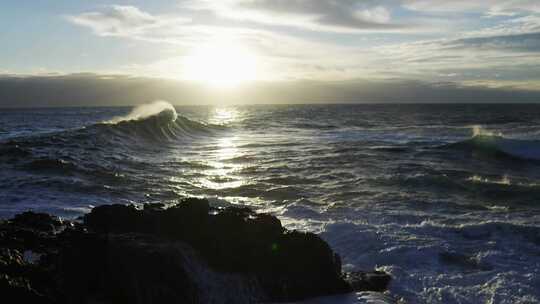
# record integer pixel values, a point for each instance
(187, 253)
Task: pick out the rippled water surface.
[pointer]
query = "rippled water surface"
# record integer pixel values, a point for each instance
(444, 197)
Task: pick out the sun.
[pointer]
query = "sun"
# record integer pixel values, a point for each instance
(221, 65)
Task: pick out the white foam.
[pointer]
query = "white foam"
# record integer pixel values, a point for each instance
(505, 180)
(147, 110)
(480, 131)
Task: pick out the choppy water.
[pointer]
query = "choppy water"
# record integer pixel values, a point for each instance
(444, 197)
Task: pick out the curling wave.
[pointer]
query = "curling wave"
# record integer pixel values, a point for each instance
(100, 149)
(158, 108)
(156, 121)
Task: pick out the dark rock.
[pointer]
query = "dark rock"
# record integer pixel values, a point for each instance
(154, 206)
(187, 253)
(19, 281)
(18, 290)
(121, 268)
(289, 265)
(11, 262)
(138, 268)
(37, 221)
(29, 231)
(301, 265)
(368, 281)
(114, 219)
(267, 225)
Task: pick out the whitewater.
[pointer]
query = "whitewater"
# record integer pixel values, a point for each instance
(445, 198)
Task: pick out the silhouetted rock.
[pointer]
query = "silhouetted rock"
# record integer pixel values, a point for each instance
(19, 280)
(18, 290)
(114, 219)
(368, 281)
(289, 265)
(187, 253)
(37, 221)
(29, 231)
(141, 268)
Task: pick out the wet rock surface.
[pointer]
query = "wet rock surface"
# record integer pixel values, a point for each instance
(187, 253)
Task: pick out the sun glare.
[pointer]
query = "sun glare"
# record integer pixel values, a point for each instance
(221, 65)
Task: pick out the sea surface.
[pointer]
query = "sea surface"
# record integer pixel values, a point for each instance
(446, 198)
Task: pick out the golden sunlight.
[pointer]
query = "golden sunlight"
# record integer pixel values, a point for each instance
(221, 65)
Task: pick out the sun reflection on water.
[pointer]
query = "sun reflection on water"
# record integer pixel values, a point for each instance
(224, 116)
(223, 171)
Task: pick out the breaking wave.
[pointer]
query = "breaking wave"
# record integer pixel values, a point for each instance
(156, 121)
(495, 144)
(158, 108)
(82, 150)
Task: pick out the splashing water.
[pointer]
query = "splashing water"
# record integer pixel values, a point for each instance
(158, 107)
(480, 131)
(505, 180)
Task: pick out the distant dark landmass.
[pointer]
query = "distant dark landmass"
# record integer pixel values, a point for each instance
(87, 89)
(187, 253)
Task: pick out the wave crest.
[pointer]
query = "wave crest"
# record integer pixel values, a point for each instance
(156, 121)
(478, 130)
(495, 144)
(158, 108)
(145, 126)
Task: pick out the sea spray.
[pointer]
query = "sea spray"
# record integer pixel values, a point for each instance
(155, 121)
(158, 107)
(478, 130)
(504, 180)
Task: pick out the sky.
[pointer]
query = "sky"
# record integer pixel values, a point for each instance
(66, 52)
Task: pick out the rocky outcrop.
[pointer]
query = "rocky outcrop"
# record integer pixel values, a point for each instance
(187, 253)
(24, 241)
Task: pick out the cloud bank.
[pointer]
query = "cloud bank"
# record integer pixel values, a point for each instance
(115, 90)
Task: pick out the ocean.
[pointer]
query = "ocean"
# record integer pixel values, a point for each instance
(446, 198)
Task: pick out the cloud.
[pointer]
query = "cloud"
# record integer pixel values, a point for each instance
(281, 56)
(494, 52)
(486, 7)
(512, 8)
(321, 15)
(497, 60)
(447, 6)
(361, 15)
(345, 13)
(116, 20)
(528, 42)
(511, 26)
(127, 21)
(175, 28)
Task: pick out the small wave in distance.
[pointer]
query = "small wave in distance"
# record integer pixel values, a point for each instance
(494, 143)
